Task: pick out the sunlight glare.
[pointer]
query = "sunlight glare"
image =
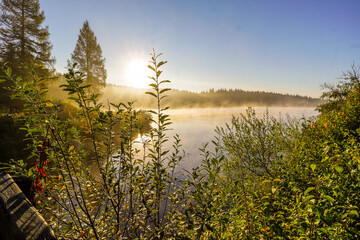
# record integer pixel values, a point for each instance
(141, 139)
(137, 74)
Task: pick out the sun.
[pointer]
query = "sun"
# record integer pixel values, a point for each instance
(137, 74)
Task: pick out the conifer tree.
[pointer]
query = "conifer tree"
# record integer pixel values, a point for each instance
(24, 42)
(88, 57)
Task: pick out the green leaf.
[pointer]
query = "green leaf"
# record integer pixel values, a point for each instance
(313, 166)
(325, 159)
(308, 198)
(324, 230)
(152, 111)
(151, 93)
(165, 90)
(354, 213)
(308, 190)
(164, 81)
(326, 197)
(158, 73)
(253, 193)
(152, 68)
(161, 63)
(339, 169)
(8, 71)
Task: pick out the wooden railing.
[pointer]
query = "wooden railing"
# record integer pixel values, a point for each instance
(19, 219)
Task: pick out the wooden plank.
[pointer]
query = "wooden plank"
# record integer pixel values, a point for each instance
(19, 211)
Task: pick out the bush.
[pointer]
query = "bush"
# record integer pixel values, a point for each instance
(13, 145)
(266, 179)
(89, 177)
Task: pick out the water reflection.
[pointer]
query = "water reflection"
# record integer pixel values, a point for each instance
(197, 126)
(141, 139)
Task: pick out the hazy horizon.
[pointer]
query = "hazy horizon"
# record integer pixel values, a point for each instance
(277, 46)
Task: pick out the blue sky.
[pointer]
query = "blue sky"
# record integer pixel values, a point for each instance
(286, 46)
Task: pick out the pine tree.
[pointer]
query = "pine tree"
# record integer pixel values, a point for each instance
(88, 57)
(24, 43)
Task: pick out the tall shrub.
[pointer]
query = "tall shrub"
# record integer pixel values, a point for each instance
(91, 180)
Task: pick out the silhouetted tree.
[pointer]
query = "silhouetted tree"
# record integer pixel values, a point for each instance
(88, 57)
(336, 95)
(24, 42)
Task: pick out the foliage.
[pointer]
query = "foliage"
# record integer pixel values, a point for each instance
(227, 188)
(24, 42)
(91, 180)
(306, 187)
(267, 178)
(325, 173)
(12, 140)
(88, 58)
(255, 146)
(206, 214)
(337, 94)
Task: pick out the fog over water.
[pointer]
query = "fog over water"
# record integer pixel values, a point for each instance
(196, 126)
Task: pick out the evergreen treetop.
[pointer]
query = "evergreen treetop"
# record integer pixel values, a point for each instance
(24, 41)
(88, 57)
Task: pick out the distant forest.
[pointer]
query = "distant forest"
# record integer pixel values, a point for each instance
(211, 98)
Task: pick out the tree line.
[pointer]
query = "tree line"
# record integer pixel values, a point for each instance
(212, 98)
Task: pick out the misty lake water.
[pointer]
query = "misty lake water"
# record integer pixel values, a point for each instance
(196, 126)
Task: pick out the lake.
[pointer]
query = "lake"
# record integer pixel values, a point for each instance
(196, 126)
